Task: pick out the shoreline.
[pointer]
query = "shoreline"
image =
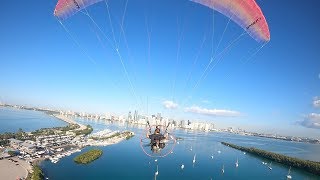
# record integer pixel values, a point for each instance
(15, 168)
(69, 121)
(304, 165)
(94, 143)
(312, 140)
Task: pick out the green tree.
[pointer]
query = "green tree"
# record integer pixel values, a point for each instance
(88, 156)
(12, 153)
(310, 166)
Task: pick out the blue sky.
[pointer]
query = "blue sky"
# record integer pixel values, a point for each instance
(76, 68)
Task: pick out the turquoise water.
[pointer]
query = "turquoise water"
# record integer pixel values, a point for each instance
(12, 119)
(126, 160)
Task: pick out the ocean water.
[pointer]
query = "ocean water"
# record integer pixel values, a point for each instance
(127, 160)
(11, 119)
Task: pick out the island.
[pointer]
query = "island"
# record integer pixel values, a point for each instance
(88, 156)
(28, 149)
(306, 165)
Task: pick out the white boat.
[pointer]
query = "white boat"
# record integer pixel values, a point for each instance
(270, 166)
(237, 163)
(194, 159)
(59, 155)
(288, 175)
(219, 152)
(222, 170)
(182, 166)
(157, 172)
(54, 159)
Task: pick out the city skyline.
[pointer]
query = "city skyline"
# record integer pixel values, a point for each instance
(157, 118)
(143, 120)
(166, 47)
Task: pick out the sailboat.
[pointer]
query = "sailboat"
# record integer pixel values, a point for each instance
(237, 163)
(288, 175)
(157, 172)
(222, 170)
(194, 158)
(270, 166)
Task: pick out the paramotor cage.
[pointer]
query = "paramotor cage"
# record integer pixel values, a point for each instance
(165, 146)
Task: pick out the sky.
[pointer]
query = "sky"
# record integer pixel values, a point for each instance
(152, 56)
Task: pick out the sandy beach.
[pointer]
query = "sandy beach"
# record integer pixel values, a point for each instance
(70, 121)
(13, 170)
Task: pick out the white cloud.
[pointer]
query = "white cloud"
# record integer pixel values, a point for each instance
(312, 120)
(206, 101)
(316, 102)
(212, 112)
(169, 104)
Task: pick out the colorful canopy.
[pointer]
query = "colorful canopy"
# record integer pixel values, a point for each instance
(246, 13)
(66, 8)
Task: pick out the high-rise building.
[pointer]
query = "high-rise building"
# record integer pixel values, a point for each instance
(129, 116)
(182, 124)
(135, 115)
(174, 123)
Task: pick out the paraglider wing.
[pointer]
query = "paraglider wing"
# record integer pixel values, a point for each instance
(246, 13)
(66, 8)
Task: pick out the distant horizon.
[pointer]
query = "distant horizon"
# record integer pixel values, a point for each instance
(125, 114)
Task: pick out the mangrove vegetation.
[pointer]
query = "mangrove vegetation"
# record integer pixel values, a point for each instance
(88, 156)
(37, 174)
(85, 132)
(310, 166)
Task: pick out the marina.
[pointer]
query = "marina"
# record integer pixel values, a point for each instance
(177, 165)
(55, 147)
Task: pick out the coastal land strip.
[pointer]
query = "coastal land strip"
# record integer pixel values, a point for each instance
(55, 143)
(306, 165)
